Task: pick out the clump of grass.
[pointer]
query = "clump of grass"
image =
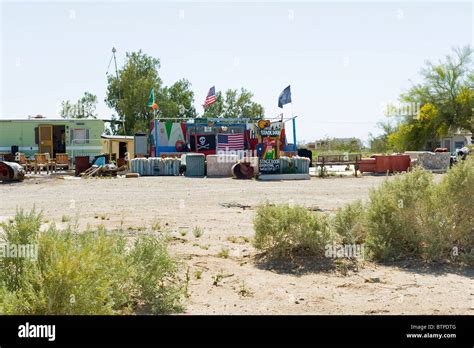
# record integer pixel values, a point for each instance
(281, 230)
(183, 231)
(244, 291)
(156, 225)
(238, 239)
(94, 272)
(198, 232)
(224, 253)
(217, 278)
(65, 218)
(198, 274)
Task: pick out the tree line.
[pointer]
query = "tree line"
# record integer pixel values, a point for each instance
(128, 93)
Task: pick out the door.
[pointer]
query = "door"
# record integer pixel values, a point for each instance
(447, 144)
(46, 139)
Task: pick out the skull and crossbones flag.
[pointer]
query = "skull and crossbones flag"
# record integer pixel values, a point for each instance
(204, 143)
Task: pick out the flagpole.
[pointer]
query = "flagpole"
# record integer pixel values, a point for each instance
(156, 132)
(294, 127)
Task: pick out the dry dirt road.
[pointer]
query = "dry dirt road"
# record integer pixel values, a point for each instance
(179, 204)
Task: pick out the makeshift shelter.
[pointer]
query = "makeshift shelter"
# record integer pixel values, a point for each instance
(117, 146)
(210, 136)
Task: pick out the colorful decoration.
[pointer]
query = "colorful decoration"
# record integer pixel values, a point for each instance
(268, 148)
(169, 133)
(203, 143)
(151, 100)
(262, 124)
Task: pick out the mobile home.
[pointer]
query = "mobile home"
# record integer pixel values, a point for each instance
(43, 135)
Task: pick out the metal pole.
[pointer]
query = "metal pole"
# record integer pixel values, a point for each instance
(294, 133)
(119, 87)
(156, 133)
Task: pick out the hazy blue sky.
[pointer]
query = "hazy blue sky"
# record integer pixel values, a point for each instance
(344, 60)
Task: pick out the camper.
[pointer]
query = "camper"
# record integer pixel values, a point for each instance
(43, 135)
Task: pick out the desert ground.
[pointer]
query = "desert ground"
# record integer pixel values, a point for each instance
(224, 209)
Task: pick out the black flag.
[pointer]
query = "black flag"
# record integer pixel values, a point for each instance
(285, 97)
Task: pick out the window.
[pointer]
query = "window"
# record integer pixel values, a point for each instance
(79, 136)
(458, 144)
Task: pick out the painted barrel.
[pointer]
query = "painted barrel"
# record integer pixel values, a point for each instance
(195, 164)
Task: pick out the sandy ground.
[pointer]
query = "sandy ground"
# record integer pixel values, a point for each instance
(245, 286)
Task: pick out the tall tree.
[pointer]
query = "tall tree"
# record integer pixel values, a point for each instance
(446, 98)
(446, 85)
(128, 94)
(85, 107)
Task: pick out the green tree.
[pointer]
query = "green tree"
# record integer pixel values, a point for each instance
(234, 104)
(85, 107)
(446, 98)
(177, 101)
(447, 85)
(128, 94)
(379, 143)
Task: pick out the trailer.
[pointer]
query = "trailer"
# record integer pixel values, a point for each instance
(43, 135)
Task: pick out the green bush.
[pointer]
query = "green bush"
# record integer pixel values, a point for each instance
(94, 272)
(281, 230)
(348, 222)
(154, 276)
(393, 216)
(413, 217)
(408, 217)
(22, 230)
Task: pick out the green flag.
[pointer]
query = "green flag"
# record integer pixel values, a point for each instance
(151, 101)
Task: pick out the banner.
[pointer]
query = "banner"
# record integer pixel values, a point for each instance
(203, 143)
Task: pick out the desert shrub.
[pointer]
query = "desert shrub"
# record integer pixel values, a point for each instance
(413, 217)
(22, 230)
(450, 217)
(392, 216)
(94, 272)
(348, 222)
(154, 276)
(409, 217)
(281, 230)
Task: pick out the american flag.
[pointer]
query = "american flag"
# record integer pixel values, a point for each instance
(211, 97)
(230, 141)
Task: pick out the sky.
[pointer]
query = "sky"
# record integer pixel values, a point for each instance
(344, 60)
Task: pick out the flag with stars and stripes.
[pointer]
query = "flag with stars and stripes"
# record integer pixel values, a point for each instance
(211, 97)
